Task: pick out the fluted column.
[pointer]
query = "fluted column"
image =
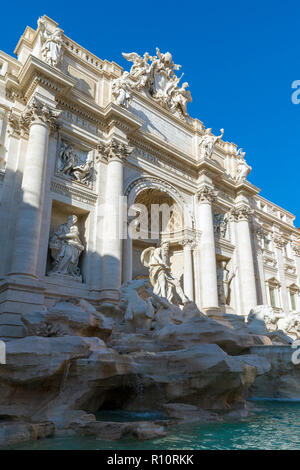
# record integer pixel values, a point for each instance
(38, 118)
(114, 153)
(188, 284)
(259, 248)
(241, 215)
(296, 251)
(278, 244)
(208, 267)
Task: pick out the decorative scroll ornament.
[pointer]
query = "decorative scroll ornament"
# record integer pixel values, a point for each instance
(156, 79)
(51, 44)
(243, 169)
(207, 143)
(114, 150)
(241, 213)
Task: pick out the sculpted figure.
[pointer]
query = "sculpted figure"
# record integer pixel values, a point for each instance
(140, 68)
(207, 143)
(67, 159)
(243, 169)
(66, 247)
(157, 80)
(52, 46)
(82, 173)
(180, 98)
(224, 279)
(161, 279)
(220, 225)
(121, 90)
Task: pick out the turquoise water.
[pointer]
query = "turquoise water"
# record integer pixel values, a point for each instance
(275, 426)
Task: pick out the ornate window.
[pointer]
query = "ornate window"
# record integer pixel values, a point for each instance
(273, 290)
(293, 297)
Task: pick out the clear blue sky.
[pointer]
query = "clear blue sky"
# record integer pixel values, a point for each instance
(239, 57)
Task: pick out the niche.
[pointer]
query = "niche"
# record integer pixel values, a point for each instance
(78, 268)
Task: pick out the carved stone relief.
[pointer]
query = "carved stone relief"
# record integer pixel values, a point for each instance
(75, 164)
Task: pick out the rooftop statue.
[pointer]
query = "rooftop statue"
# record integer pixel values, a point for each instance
(243, 169)
(51, 44)
(207, 143)
(155, 76)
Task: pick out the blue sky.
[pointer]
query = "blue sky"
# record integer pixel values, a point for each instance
(239, 57)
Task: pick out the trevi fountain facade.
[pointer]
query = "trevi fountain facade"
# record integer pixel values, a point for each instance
(131, 236)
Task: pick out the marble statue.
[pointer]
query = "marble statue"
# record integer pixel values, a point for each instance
(66, 247)
(121, 90)
(52, 44)
(224, 279)
(180, 98)
(207, 143)
(67, 159)
(163, 282)
(82, 173)
(264, 317)
(68, 165)
(140, 68)
(243, 169)
(220, 225)
(156, 79)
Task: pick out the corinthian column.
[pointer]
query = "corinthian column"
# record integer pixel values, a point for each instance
(38, 117)
(208, 267)
(188, 284)
(279, 243)
(114, 154)
(241, 215)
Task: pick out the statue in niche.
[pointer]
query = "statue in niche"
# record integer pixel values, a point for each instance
(243, 169)
(163, 282)
(207, 143)
(52, 44)
(220, 225)
(224, 279)
(68, 165)
(66, 247)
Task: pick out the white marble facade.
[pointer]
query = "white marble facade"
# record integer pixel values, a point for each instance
(76, 134)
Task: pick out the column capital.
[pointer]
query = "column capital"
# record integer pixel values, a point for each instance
(278, 241)
(206, 194)
(240, 213)
(114, 151)
(296, 248)
(188, 242)
(39, 113)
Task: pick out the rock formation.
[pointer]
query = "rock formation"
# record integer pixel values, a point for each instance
(141, 354)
